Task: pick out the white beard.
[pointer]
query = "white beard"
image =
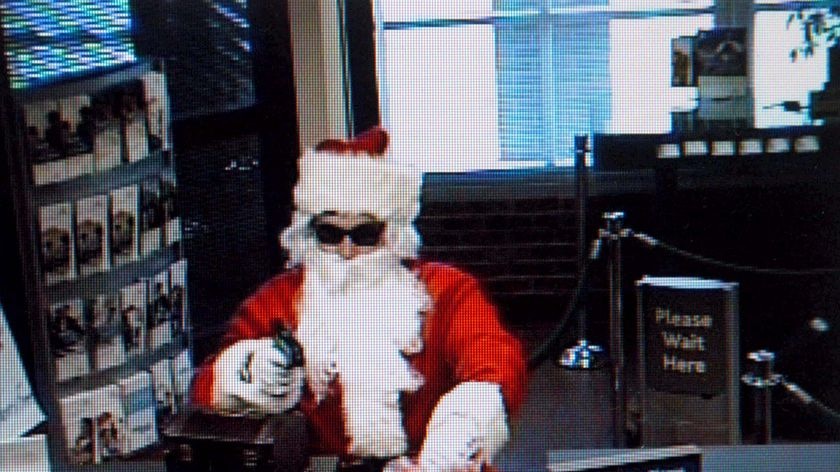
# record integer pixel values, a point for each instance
(358, 319)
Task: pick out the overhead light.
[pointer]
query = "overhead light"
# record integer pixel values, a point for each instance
(668, 151)
(723, 148)
(748, 147)
(696, 148)
(778, 145)
(807, 143)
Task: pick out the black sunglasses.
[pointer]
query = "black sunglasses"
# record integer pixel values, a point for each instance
(365, 234)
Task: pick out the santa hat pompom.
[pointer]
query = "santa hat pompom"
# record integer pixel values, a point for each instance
(372, 142)
(357, 176)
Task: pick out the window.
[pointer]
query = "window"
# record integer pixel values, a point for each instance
(508, 84)
(772, 62)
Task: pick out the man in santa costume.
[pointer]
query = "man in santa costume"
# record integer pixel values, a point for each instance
(405, 361)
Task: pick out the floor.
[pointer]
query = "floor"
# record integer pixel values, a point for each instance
(572, 409)
(564, 409)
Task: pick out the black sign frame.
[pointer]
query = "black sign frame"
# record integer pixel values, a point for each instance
(678, 402)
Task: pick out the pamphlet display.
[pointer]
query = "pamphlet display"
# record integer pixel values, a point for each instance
(58, 252)
(125, 232)
(110, 279)
(107, 331)
(92, 235)
(68, 339)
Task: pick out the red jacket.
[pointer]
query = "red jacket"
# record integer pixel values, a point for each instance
(463, 341)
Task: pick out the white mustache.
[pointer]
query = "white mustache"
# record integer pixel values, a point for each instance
(338, 274)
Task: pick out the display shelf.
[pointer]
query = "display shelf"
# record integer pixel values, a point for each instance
(85, 85)
(114, 279)
(103, 182)
(115, 127)
(112, 375)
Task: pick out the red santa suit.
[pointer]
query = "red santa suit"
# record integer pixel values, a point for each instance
(462, 337)
(398, 359)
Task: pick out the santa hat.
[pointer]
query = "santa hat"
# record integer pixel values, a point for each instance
(357, 176)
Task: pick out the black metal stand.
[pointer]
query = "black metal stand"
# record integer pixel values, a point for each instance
(762, 378)
(613, 235)
(582, 193)
(583, 355)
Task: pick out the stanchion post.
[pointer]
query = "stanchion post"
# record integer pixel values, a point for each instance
(583, 355)
(762, 378)
(582, 193)
(614, 221)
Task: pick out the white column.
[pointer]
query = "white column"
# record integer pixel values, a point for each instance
(318, 61)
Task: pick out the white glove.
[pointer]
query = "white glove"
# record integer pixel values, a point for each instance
(469, 425)
(252, 376)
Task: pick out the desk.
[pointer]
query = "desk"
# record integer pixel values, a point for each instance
(125, 466)
(752, 458)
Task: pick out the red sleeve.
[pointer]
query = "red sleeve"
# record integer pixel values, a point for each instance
(476, 344)
(262, 314)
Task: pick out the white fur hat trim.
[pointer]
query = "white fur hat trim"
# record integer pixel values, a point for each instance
(356, 180)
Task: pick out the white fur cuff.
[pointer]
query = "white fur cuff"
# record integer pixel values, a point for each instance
(331, 181)
(474, 407)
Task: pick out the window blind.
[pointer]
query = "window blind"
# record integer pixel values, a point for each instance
(50, 39)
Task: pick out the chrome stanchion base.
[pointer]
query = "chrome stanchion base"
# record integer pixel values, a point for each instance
(583, 356)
